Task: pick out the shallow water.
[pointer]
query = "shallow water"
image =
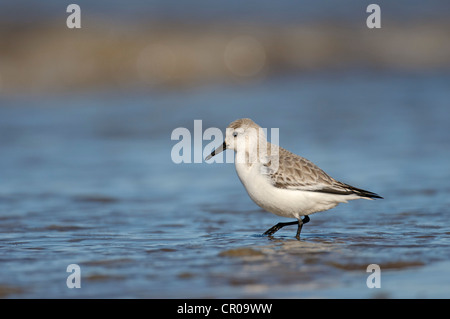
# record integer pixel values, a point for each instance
(88, 180)
(203, 10)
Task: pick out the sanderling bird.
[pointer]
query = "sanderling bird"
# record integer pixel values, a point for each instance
(281, 182)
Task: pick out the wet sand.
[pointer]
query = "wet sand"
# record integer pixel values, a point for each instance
(45, 58)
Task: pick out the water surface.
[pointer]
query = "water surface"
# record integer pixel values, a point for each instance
(88, 180)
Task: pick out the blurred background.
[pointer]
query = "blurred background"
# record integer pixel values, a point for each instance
(86, 117)
(173, 44)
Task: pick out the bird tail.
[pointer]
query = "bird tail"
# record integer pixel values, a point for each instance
(363, 193)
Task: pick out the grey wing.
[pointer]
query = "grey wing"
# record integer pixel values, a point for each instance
(297, 173)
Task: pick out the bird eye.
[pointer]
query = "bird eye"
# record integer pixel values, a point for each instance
(235, 134)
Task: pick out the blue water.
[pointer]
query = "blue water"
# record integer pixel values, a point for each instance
(88, 179)
(194, 11)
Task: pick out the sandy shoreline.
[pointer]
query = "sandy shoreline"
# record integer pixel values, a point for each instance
(49, 57)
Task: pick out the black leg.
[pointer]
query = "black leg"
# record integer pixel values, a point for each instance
(300, 225)
(277, 227)
(305, 219)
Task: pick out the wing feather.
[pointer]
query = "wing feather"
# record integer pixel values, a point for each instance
(297, 173)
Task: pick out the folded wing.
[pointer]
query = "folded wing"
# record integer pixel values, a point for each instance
(297, 173)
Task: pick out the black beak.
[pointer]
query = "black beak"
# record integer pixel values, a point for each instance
(218, 150)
